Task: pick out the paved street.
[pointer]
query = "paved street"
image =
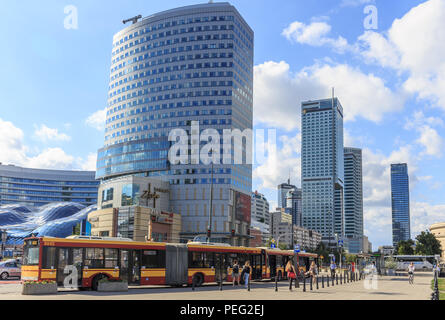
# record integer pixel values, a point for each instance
(389, 288)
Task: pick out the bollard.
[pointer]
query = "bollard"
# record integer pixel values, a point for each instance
(276, 283)
(304, 283)
(297, 282)
(193, 284)
(341, 278)
(336, 280)
(327, 281)
(317, 281)
(311, 281)
(322, 282)
(248, 285)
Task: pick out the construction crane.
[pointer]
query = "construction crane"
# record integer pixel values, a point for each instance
(134, 19)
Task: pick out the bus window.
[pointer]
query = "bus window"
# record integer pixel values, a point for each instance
(49, 258)
(153, 259)
(31, 253)
(111, 258)
(94, 258)
(209, 259)
(279, 261)
(195, 260)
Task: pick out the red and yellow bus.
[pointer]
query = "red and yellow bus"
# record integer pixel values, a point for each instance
(145, 263)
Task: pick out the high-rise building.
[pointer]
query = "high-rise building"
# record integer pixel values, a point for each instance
(38, 187)
(187, 65)
(283, 189)
(293, 205)
(353, 199)
(260, 208)
(322, 157)
(401, 230)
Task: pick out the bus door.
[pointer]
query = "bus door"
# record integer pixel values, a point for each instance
(256, 266)
(72, 258)
(272, 265)
(130, 266)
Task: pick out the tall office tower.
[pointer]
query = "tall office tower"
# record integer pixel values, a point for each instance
(354, 199)
(293, 205)
(189, 64)
(260, 208)
(323, 167)
(401, 230)
(283, 189)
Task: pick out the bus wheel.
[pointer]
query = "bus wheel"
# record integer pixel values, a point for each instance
(198, 279)
(4, 276)
(95, 283)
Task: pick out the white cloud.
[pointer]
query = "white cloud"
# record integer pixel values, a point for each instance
(423, 215)
(432, 141)
(90, 163)
(280, 164)
(415, 45)
(314, 34)
(278, 93)
(52, 158)
(11, 144)
(45, 134)
(97, 120)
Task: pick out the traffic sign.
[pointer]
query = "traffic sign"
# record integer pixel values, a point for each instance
(297, 248)
(273, 246)
(340, 243)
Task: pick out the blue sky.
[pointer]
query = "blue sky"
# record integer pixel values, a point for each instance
(390, 81)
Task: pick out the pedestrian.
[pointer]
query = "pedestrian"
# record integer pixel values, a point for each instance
(411, 269)
(235, 273)
(333, 267)
(246, 271)
(291, 273)
(313, 272)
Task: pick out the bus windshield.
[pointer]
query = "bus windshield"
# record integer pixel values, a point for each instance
(31, 253)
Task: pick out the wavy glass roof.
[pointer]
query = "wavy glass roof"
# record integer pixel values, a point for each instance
(52, 220)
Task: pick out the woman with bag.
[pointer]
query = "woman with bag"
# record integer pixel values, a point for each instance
(291, 273)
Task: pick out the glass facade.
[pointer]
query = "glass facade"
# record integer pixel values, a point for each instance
(52, 220)
(322, 167)
(401, 230)
(193, 63)
(36, 187)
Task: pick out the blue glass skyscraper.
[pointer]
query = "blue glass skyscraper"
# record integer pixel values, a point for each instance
(189, 64)
(401, 228)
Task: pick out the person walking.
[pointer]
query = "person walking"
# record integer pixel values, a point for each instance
(313, 272)
(291, 273)
(411, 269)
(333, 267)
(235, 273)
(246, 271)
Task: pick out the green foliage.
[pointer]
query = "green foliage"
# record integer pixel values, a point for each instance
(390, 263)
(427, 244)
(350, 258)
(405, 248)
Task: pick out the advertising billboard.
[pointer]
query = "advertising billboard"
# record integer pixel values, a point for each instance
(242, 207)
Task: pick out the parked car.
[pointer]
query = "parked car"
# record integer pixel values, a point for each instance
(10, 269)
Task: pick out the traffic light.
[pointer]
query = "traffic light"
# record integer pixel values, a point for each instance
(233, 232)
(248, 232)
(209, 233)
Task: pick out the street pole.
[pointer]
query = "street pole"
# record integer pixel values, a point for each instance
(211, 207)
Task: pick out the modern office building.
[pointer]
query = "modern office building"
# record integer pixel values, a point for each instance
(294, 205)
(260, 208)
(169, 70)
(283, 189)
(401, 230)
(38, 187)
(322, 170)
(353, 186)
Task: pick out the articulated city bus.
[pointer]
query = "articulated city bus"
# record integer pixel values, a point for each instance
(146, 263)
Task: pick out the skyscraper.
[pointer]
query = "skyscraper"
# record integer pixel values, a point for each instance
(353, 199)
(401, 230)
(283, 189)
(323, 167)
(260, 208)
(187, 64)
(293, 205)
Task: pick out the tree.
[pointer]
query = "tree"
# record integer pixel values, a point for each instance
(350, 258)
(405, 248)
(427, 244)
(322, 250)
